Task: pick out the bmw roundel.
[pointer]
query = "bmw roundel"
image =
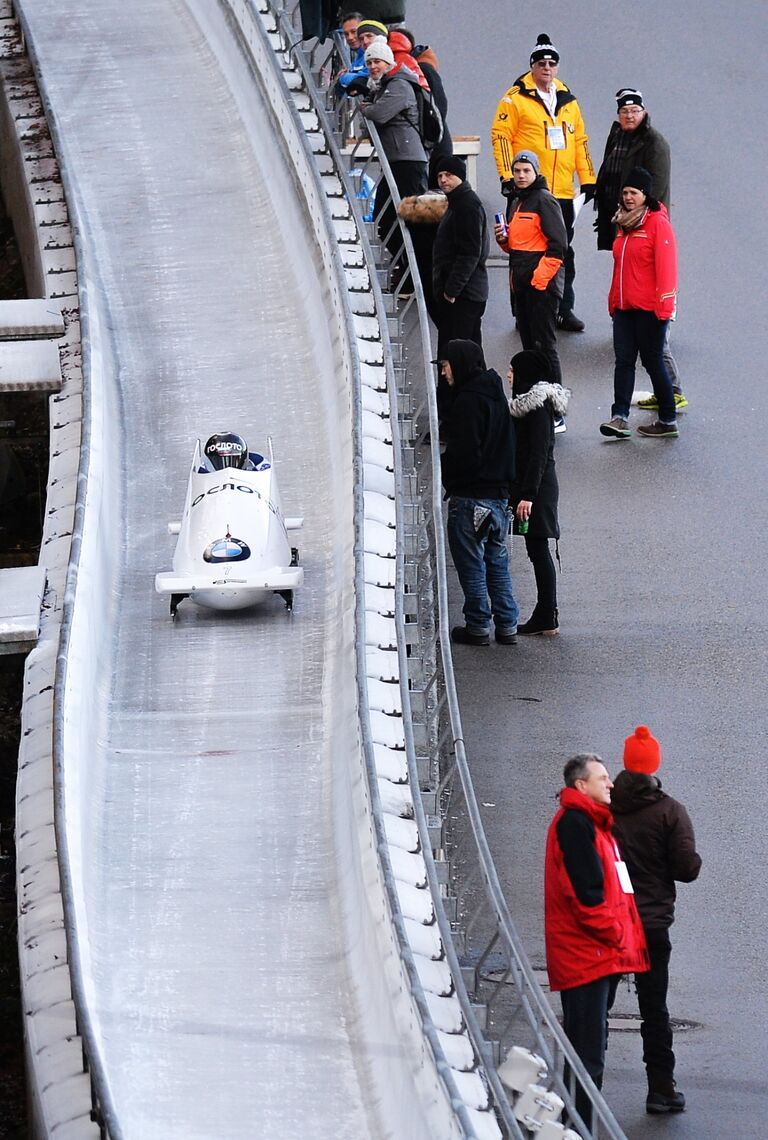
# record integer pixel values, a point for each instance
(227, 549)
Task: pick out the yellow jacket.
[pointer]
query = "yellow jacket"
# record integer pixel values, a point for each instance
(521, 123)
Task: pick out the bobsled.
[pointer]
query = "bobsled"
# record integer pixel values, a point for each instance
(233, 549)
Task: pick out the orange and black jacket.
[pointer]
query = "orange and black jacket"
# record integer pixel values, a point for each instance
(536, 240)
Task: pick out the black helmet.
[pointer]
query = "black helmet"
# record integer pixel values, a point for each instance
(225, 449)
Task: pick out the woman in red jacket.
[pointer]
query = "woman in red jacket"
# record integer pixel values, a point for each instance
(641, 302)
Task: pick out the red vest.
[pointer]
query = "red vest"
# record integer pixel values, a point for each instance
(585, 943)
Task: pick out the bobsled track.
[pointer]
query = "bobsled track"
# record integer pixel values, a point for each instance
(238, 927)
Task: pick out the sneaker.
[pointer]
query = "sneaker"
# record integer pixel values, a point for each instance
(651, 404)
(506, 636)
(463, 636)
(658, 430)
(560, 426)
(617, 428)
(569, 322)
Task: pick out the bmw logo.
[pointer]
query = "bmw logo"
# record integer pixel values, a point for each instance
(227, 550)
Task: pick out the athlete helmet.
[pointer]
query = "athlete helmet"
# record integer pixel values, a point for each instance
(226, 449)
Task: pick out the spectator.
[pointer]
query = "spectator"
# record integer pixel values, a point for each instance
(634, 142)
(369, 30)
(535, 404)
(535, 239)
(357, 69)
(656, 836)
(392, 107)
(561, 148)
(641, 302)
(591, 925)
(427, 61)
(478, 468)
(459, 275)
(422, 214)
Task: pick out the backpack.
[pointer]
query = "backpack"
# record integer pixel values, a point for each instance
(430, 125)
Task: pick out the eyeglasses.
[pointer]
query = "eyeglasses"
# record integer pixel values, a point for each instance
(545, 63)
(627, 111)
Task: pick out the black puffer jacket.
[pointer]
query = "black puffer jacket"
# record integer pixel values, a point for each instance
(461, 248)
(534, 414)
(656, 836)
(479, 459)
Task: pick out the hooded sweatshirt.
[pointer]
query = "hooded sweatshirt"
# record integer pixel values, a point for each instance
(656, 835)
(479, 459)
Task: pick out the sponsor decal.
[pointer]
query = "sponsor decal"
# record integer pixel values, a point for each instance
(227, 549)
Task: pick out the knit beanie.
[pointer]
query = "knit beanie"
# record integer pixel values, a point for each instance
(529, 366)
(380, 49)
(453, 165)
(642, 752)
(544, 49)
(639, 179)
(629, 97)
(373, 26)
(527, 156)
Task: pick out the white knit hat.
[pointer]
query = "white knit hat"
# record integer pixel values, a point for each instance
(379, 49)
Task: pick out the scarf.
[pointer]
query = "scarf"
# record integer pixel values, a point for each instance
(630, 219)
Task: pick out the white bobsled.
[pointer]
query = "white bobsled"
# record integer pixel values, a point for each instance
(233, 549)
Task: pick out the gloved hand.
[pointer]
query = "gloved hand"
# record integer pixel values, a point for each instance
(507, 187)
(588, 191)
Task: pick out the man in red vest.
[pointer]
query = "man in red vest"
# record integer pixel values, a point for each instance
(592, 928)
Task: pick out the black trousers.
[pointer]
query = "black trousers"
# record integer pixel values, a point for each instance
(410, 178)
(585, 1021)
(538, 551)
(655, 1028)
(536, 312)
(461, 320)
(569, 261)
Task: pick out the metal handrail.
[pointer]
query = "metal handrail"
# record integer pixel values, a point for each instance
(502, 937)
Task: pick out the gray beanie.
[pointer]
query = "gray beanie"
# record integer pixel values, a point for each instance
(379, 49)
(527, 156)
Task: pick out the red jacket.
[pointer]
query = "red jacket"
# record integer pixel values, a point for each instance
(645, 267)
(592, 928)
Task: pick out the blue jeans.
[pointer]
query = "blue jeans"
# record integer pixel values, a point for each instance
(482, 564)
(639, 331)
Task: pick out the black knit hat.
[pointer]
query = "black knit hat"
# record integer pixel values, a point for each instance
(629, 97)
(544, 49)
(639, 179)
(453, 165)
(529, 366)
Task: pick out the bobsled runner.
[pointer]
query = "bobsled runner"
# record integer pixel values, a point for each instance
(233, 549)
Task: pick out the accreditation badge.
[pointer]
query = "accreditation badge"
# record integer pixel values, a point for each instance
(555, 138)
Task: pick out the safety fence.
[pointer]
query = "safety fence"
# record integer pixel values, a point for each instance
(506, 1009)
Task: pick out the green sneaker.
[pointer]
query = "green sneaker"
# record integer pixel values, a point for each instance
(651, 404)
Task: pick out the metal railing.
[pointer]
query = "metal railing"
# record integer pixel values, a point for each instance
(477, 925)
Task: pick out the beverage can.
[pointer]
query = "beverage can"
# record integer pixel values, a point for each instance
(499, 219)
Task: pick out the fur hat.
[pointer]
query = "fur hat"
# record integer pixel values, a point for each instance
(642, 752)
(454, 165)
(544, 49)
(380, 49)
(527, 156)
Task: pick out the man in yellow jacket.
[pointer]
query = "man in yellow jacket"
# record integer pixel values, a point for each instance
(539, 113)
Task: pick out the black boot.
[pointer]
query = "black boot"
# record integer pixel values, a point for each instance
(541, 621)
(663, 1096)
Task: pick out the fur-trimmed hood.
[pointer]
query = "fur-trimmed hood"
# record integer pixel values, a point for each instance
(424, 209)
(537, 396)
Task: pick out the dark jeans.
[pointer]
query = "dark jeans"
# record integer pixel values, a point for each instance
(482, 564)
(651, 987)
(585, 1021)
(410, 178)
(569, 261)
(640, 331)
(461, 320)
(536, 312)
(537, 550)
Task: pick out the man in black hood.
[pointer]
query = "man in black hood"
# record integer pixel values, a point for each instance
(478, 467)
